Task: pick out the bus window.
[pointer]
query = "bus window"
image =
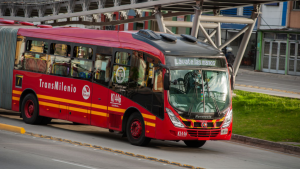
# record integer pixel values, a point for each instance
(138, 68)
(102, 69)
(20, 49)
(83, 52)
(120, 75)
(37, 46)
(123, 58)
(81, 68)
(36, 62)
(60, 49)
(58, 65)
(158, 93)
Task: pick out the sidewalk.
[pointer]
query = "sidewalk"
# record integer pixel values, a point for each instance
(268, 83)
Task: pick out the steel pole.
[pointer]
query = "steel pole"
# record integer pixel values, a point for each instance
(160, 20)
(245, 40)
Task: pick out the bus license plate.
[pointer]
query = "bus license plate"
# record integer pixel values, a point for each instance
(224, 131)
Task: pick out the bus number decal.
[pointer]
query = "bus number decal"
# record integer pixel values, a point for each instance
(182, 133)
(115, 99)
(86, 92)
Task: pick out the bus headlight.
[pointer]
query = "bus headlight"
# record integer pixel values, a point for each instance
(228, 119)
(176, 122)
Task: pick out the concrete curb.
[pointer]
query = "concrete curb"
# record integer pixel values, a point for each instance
(266, 144)
(15, 129)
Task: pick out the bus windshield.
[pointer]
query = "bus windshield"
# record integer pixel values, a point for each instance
(199, 91)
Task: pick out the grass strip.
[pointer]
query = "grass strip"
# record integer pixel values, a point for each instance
(266, 117)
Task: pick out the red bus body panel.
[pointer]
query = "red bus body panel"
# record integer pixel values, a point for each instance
(85, 102)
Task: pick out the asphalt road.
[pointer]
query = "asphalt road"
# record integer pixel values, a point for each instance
(26, 152)
(214, 154)
(268, 80)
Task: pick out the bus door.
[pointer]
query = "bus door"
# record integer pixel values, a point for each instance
(82, 68)
(101, 79)
(119, 86)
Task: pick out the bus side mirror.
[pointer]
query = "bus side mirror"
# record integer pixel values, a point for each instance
(167, 81)
(232, 77)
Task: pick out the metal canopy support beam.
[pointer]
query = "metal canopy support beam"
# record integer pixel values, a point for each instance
(168, 30)
(246, 38)
(207, 36)
(218, 29)
(211, 35)
(196, 20)
(234, 37)
(160, 19)
(123, 21)
(189, 24)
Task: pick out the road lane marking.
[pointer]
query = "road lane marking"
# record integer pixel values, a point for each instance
(74, 164)
(116, 152)
(270, 89)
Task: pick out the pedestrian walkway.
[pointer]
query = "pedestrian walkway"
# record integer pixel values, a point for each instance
(273, 84)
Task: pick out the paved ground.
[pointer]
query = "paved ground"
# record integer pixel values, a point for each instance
(214, 154)
(274, 84)
(26, 152)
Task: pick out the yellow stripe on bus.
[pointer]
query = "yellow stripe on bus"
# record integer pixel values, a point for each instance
(16, 98)
(49, 104)
(99, 106)
(149, 124)
(149, 116)
(64, 100)
(78, 109)
(99, 113)
(17, 92)
(116, 109)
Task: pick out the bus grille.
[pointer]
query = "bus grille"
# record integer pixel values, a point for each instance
(203, 133)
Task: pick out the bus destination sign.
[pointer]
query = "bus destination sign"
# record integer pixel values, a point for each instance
(194, 62)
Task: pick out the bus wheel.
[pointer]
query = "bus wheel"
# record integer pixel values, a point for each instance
(30, 110)
(135, 130)
(194, 143)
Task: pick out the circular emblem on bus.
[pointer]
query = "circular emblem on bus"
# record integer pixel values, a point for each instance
(120, 75)
(86, 92)
(204, 124)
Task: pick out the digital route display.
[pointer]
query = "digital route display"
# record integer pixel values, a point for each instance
(194, 61)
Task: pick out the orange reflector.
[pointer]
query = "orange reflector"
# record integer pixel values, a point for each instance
(48, 109)
(147, 131)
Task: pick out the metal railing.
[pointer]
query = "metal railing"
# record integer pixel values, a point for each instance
(30, 2)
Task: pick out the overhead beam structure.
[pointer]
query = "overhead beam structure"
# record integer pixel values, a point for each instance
(58, 10)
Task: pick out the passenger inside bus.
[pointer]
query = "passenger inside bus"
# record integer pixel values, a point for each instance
(102, 69)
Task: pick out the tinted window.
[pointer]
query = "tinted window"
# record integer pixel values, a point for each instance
(60, 49)
(83, 52)
(122, 58)
(37, 46)
(102, 69)
(81, 68)
(58, 65)
(36, 62)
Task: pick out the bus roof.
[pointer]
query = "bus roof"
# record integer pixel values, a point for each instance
(123, 39)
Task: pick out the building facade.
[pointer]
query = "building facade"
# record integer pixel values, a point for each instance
(279, 47)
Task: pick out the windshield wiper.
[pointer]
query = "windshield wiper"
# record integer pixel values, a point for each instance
(217, 114)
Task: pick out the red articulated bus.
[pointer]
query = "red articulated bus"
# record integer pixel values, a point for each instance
(143, 84)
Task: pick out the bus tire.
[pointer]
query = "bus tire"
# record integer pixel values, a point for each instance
(135, 130)
(195, 143)
(30, 110)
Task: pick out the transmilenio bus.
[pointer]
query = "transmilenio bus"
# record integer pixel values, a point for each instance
(143, 84)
